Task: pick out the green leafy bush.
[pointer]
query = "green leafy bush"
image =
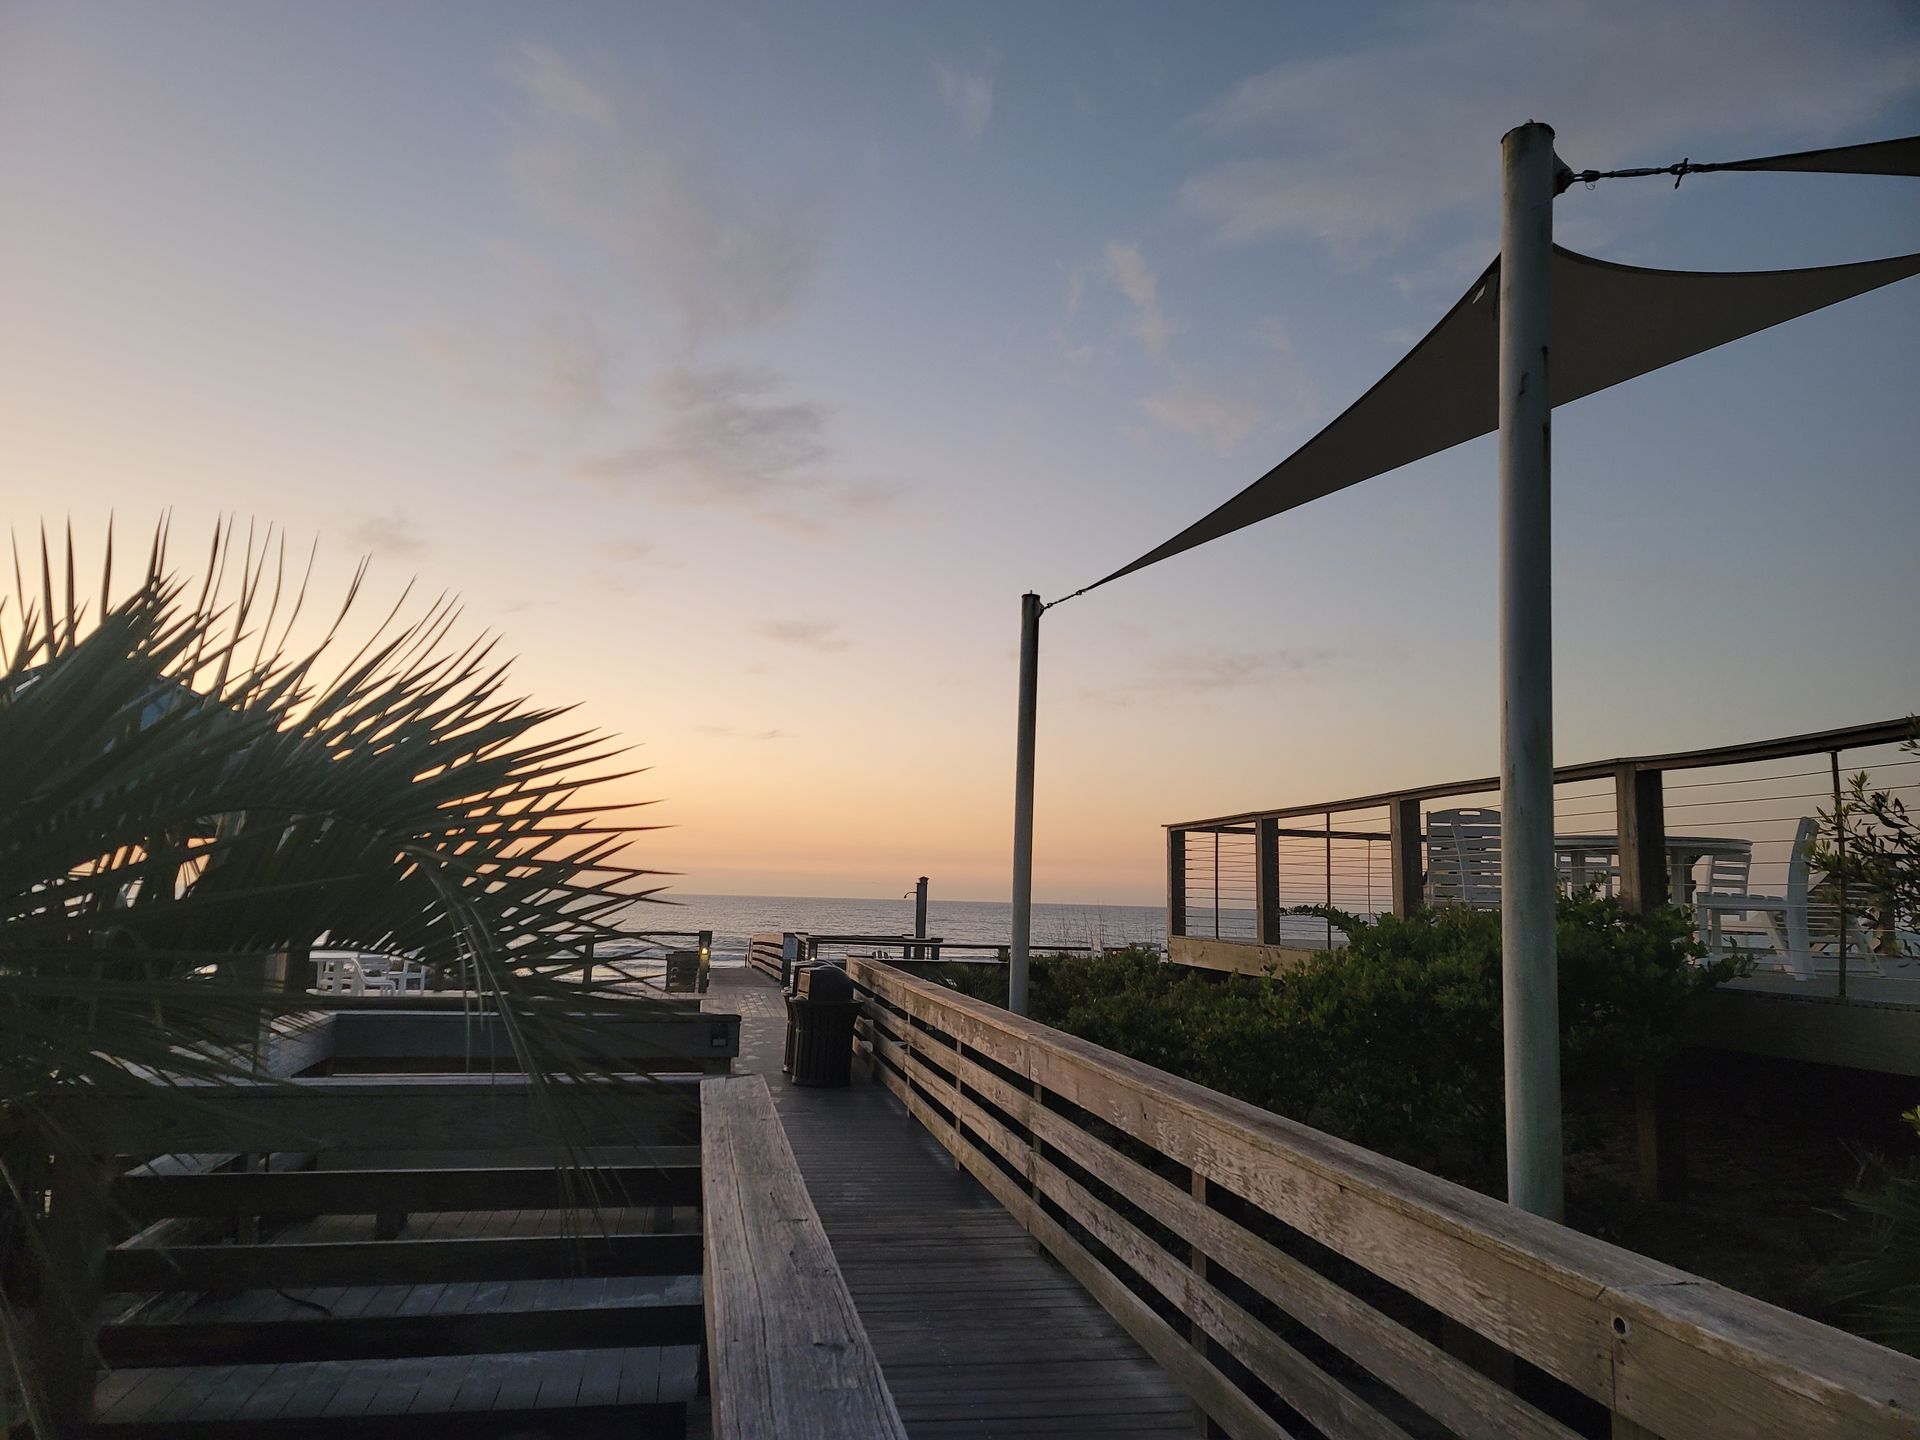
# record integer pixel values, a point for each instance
(1877, 1283)
(1393, 1041)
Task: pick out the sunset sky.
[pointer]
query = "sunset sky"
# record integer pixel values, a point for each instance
(741, 364)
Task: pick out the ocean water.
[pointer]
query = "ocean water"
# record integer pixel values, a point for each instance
(734, 918)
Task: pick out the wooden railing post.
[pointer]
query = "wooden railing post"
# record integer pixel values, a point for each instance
(1266, 882)
(1403, 845)
(76, 1247)
(1176, 883)
(1639, 798)
(1639, 801)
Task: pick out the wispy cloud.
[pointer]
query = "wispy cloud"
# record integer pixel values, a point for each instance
(1124, 267)
(1215, 417)
(558, 360)
(1219, 405)
(967, 91)
(720, 252)
(727, 732)
(720, 437)
(1210, 670)
(821, 635)
(623, 567)
(395, 535)
(1127, 268)
(1360, 150)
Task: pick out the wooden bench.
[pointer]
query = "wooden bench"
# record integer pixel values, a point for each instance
(787, 1354)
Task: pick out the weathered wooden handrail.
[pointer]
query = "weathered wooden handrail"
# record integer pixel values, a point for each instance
(1079, 1144)
(386, 1112)
(787, 1354)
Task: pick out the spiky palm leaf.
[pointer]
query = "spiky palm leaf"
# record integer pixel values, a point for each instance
(185, 792)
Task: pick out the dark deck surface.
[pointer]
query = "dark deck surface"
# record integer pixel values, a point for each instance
(977, 1332)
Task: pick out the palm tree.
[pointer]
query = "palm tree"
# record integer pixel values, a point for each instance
(186, 794)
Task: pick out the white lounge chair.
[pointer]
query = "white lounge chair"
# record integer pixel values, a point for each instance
(1463, 858)
(1804, 932)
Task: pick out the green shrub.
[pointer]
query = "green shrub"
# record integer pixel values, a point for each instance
(1394, 1041)
(1877, 1283)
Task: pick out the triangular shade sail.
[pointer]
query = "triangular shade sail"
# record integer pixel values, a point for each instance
(1877, 157)
(1610, 323)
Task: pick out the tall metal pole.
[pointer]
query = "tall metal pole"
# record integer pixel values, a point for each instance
(1530, 980)
(1030, 608)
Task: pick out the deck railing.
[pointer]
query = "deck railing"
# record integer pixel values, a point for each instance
(1281, 1275)
(1640, 826)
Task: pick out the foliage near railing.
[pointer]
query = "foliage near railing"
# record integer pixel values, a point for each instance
(1870, 842)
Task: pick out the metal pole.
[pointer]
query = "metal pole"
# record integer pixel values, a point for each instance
(1840, 879)
(1329, 880)
(1030, 608)
(1530, 982)
(920, 917)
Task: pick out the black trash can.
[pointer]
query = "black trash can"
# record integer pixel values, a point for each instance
(820, 1029)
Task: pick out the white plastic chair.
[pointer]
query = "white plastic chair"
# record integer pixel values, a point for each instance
(1722, 909)
(1805, 932)
(1463, 858)
(343, 972)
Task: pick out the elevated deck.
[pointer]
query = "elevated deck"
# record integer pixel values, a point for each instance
(977, 1333)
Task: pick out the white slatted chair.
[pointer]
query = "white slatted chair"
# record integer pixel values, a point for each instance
(1463, 858)
(345, 972)
(1722, 909)
(1808, 929)
(409, 976)
(1602, 877)
(1804, 931)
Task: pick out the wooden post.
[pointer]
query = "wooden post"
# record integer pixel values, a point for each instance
(70, 1297)
(1266, 870)
(1639, 805)
(920, 916)
(1176, 885)
(1199, 1187)
(586, 971)
(297, 978)
(1660, 1124)
(1403, 841)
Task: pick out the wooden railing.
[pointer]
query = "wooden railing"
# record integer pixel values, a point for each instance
(788, 1358)
(1276, 1272)
(86, 1199)
(1235, 882)
(774, 952)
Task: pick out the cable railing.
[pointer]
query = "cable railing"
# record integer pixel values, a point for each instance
(1730, 833)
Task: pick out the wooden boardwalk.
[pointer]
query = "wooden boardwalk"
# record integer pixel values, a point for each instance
(977, 1333)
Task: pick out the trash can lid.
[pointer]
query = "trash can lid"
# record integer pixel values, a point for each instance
(825, 982)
